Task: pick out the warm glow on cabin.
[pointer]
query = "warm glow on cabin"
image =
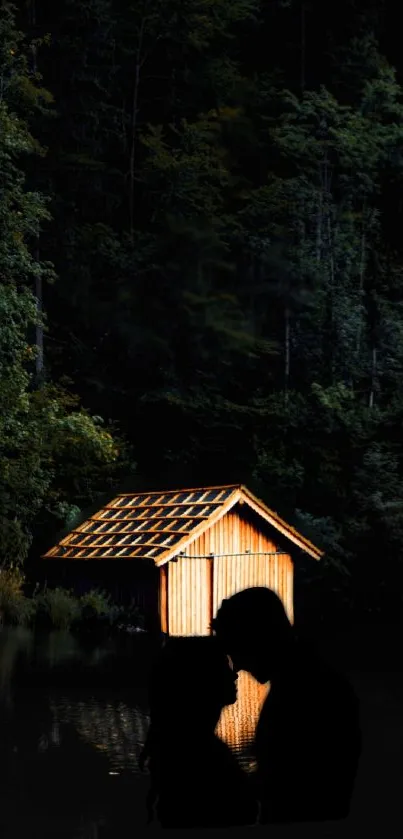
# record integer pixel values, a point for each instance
(238, 722)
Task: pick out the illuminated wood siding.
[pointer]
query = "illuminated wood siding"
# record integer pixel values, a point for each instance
(187, 597)
(252, 560)
(237, 724)
(242, 555)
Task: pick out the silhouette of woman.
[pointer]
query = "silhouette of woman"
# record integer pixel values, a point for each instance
(195, 779)
(308, 738)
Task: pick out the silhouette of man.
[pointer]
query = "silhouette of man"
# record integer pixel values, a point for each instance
(308, 737)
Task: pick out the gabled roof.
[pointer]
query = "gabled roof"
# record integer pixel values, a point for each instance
(159, 525)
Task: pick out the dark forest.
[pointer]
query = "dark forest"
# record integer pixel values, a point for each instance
(201, 269)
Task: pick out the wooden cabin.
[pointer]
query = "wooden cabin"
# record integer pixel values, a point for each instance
(183, 552)
(189, 549)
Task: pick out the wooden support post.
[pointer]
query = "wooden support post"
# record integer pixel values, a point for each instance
(164, 617)
(210, 593)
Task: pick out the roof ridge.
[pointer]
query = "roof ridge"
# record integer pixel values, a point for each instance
(174, 491)
(277, 519)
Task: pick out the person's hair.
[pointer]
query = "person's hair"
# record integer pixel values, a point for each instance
(187, 672)
(184, 686)
(257, 607)
(185, 690)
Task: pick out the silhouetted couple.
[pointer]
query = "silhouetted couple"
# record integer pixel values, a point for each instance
(307, 742)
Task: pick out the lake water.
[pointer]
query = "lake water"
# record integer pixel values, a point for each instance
(69, 753)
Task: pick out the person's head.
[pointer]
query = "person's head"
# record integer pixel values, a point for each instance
(255, 631)
(192, 682)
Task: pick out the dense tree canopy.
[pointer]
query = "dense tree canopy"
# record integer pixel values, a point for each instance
(52, 451)
(202, 245)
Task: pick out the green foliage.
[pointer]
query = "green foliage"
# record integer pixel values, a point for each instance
(50, 454)
(61, 609)
(80, 453)
(22, 211)
(132, 616)
(97, 606)
(225, 232)
(15, 608)
(23, 480)
(59, 606)
(52, 451)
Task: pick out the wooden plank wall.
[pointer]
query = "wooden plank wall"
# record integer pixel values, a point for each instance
(197, 584)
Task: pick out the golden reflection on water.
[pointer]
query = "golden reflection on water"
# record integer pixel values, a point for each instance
(119, 729)
(112, 727)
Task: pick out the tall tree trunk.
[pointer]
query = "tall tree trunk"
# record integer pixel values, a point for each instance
(374, 372)
(39, 361)
(133, 147)
(252, 272)
(319, 225)
(286, 352)
(140, 59)
(329, 325)
(303, 47)
(361, 282)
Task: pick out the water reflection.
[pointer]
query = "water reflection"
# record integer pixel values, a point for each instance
(69, 758)
(119, 729)
(69, 768)
(111, 726)
(14, 644)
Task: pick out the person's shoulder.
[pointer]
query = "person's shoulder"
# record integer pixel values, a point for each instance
(335, 691)
(336, 679)
(324, 677)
